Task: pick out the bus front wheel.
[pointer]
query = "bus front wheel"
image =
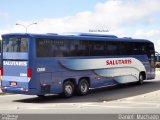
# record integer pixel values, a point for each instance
(68, 89)
(83, 87)
(141, 79)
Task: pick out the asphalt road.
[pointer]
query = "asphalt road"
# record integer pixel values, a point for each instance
(126, 99)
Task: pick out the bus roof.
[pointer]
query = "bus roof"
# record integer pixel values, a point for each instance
(79, 36)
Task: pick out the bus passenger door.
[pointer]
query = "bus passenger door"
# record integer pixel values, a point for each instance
(152, 66)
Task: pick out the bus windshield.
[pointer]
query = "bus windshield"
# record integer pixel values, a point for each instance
(15, 44)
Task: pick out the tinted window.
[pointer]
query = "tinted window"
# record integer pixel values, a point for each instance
(43, 48)
(15, 44)
(71, 48)
(79, 48)
(125, 48)
(112, 48)
(139, 48)
(61, 48)
(97, 48)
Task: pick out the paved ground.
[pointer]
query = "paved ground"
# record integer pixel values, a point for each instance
(118, 99)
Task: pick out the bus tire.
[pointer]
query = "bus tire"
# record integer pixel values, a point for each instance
(83, 87)
(141, 79)
(68, 89)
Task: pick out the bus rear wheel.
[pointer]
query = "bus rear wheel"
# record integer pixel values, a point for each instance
(83, 87)
(68, 89)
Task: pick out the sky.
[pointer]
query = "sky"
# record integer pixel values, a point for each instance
(123, 18)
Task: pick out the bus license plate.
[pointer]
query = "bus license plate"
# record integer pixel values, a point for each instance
(13, 83)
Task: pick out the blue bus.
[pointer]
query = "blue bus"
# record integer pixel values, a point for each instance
(40, 64)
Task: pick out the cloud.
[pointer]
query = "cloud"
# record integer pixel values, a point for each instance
(112, 15)
(117, 16)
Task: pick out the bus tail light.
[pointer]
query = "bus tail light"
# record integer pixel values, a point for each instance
(29, 73)
(24, 89)
(1, 71)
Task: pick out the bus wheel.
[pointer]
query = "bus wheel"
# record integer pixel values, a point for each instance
(83, 87)
(68, 89)
(141, 79)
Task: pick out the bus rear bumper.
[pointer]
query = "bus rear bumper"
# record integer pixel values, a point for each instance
(20, 91)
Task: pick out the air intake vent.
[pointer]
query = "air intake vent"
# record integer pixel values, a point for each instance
(127, 37)
(52, 33)
(89, 35)
(97, 35)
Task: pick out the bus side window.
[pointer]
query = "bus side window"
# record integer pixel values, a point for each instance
(125, 48)
(79, 48)
(43, 48)
(97, 48)
(112, 48)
